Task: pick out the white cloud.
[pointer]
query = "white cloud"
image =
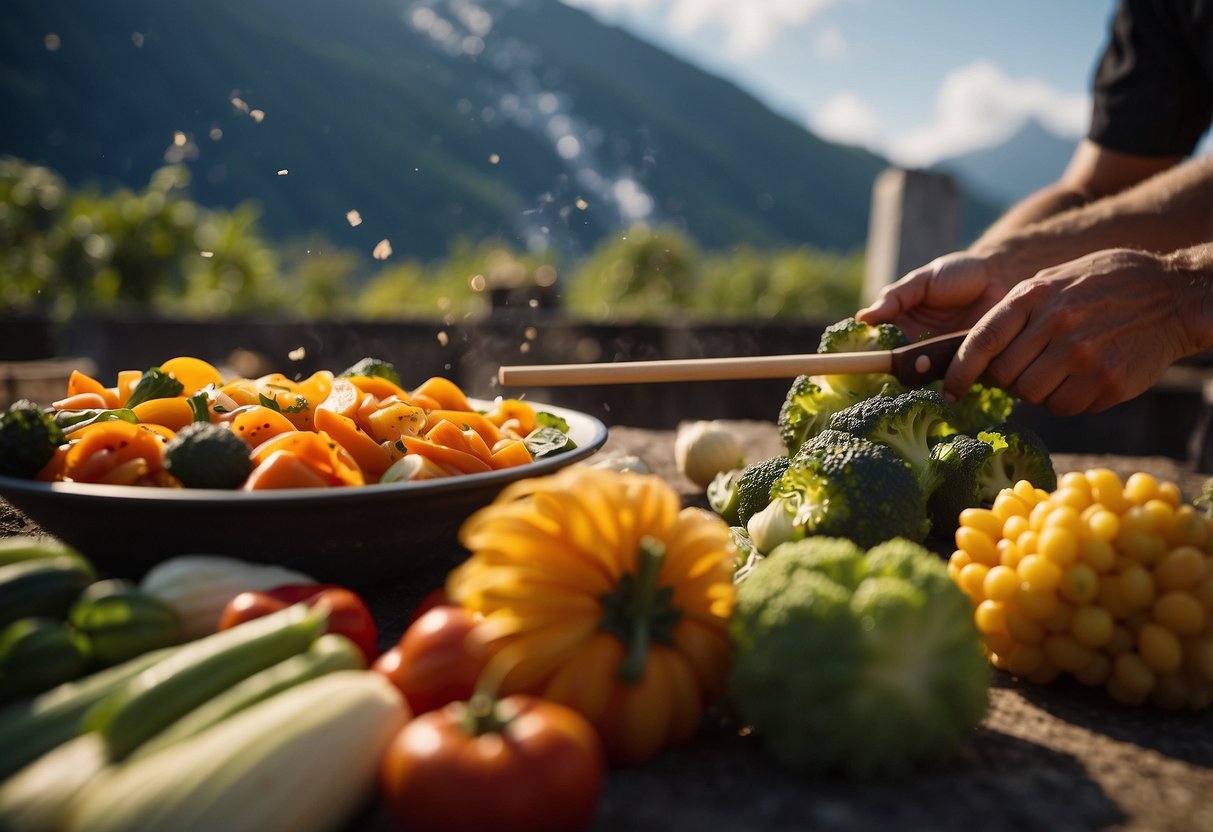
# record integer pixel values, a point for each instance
(830, 45)
(747, 26)
(847, 119)
(978, 106)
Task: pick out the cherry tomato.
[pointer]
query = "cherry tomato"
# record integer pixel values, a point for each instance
(437, 660)
(348, 614)
(521, 763)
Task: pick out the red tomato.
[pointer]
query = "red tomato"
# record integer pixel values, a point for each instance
(348, 614)
(294, 593)
(437, 660)
(527, 764)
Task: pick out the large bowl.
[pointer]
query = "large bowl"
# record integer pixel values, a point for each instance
(364, 537)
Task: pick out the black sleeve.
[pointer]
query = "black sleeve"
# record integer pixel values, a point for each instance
(1153, 88)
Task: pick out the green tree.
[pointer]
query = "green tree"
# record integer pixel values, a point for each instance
(643, 274)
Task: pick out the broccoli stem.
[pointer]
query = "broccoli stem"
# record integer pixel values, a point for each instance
(639, 611)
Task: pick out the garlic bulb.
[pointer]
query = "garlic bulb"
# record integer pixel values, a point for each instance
(703, 449)
(773, 525)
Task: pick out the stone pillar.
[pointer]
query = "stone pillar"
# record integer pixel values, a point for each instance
(915, 218)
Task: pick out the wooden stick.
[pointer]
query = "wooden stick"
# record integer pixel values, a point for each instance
(695, 369)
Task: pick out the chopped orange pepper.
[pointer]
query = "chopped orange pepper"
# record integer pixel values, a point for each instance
(468, 418)
(444, 391)
(379, 387)
(371, 458)
(513, 409)
(283, 469)
(510, 452)
(79, 382)
(457, 460)
(106, 445)
(257, 423)
(319, 450)
(127, 379)
(171, 413)
(194, 373)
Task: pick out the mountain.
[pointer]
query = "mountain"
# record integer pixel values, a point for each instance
(1030, 159)
(433, 120)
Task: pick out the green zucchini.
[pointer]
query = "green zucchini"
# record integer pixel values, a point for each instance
(306, 759)
(329, 653)
(31, 727)
(198, 670)
(44, 586)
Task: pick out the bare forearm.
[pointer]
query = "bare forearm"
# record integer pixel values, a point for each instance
(1170, 211)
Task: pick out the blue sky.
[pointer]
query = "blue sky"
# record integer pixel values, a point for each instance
(914, 80)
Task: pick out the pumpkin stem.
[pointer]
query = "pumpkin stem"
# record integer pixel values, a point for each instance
(639, 611)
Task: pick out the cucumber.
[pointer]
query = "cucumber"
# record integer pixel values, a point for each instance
(197, 671)
(121, 621)
(42, 587)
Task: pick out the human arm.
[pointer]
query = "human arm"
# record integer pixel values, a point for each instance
(1167, 211)
(1092, 332)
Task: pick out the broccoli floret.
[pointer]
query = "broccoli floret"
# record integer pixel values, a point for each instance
(859, 490)
(850, 335)
(155, 384)
(958, 461)
(754, 486)
(981, 408)
(205, 455)
(374, 367)
(1019, 454)
(854, 661)
(807, 408)
(905, 422)
(28, 439)
(722, 495)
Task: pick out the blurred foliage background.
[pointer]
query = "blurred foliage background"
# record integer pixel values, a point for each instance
(64, 252)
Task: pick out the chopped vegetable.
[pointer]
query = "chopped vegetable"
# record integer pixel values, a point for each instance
(28, 439)
(703, 449)
(259, 769)
(205, 455)
(864, 662)
(599, 591)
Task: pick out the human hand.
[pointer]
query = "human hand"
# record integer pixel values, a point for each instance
(950, 293)
(1084, 335)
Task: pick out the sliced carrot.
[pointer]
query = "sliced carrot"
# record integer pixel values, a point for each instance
(371, 458)
(319, 450)
(82, 401)
(448, 433)
(467, 418)
(379, 387)
(171, 413)
(53, 470)
(257, 423)
(283, 469)
(462, 462)
(194, 373)
(78, 382)
(444, 391)
(510, 452)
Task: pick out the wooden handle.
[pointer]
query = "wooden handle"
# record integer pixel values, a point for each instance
(694, 369)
